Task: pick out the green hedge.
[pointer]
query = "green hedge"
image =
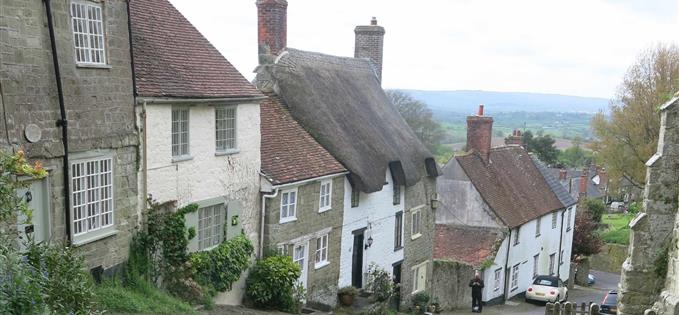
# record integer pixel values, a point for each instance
(222, 266)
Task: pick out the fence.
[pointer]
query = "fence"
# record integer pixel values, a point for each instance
(570, 308)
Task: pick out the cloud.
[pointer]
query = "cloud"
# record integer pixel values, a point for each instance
(578, 47)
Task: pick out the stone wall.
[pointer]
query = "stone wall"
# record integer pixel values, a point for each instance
(418, 250)
(652, 229)
(610, 259)
(451, 284)
(99, 104)
(321, 281)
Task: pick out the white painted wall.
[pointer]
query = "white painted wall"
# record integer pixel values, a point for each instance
(529, 245)
(376, 212)
(207, 175)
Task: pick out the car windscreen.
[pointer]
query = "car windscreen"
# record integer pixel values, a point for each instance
(611, 299)
(550, 282)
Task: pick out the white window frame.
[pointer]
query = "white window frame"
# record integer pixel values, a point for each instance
(325, 196)
(179, 133)
(210, 232)
(552, 263)
(415, 224)
(497, 278)
(554, 220)
(88, 31)
(226, 137)
(288, 217)
(398, 230)
(90, 209)
(537, 226)
(515, 277)
(321, 257)
(419, 273)
(536, 265)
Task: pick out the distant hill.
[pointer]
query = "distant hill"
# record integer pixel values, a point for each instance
(466, 102)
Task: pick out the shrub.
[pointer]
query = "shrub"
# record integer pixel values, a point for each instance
(380, 283)
(271, 283)
(634, 208)
(596, 209)
(66, 287)
(348, 290)
(141, 297)
(20, 290)
(420, 301)
(223, 265)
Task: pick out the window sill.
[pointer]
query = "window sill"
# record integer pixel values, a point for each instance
(417, 291)
(176, 159)
(568, 229)
(93, 66)
(287, 220)
(513, 289)
(85, 239)
(415, 236)
(537, 235)
(398, 248)
(227, 152)
(321, 210)
(321, 265)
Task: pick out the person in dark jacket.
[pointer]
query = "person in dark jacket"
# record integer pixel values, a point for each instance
(477, 287)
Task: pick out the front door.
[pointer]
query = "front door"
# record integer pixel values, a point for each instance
(357, 261)
(36, 196)
(299, 256)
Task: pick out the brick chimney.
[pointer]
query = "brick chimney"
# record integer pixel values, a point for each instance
(370, 43)
(271, 27)
(584, 178)
(514, 139)
(479, 133)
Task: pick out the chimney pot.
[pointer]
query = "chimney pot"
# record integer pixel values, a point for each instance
(373, 21)
(563, 174)
(480, 110)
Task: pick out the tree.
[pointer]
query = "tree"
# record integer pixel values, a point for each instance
(542, 146)
(595, 208)
(574, 157)
(586, 241)
(419, 117)
(628, 137)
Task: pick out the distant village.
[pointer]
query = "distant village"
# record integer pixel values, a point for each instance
(164, 163)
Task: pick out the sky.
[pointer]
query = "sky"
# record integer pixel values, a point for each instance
(571, 47)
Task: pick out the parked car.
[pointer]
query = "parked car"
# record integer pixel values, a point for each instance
(547, 289)
(609, 305)
(591, 279)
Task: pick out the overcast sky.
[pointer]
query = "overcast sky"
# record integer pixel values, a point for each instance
(574, 47)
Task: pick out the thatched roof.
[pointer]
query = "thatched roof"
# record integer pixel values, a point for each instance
(340, 102)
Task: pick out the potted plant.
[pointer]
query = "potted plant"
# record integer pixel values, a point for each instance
(420, 302)
(435, 306)
(347, 295)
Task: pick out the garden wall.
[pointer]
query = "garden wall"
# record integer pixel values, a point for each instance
(451, 285)
(610, 258)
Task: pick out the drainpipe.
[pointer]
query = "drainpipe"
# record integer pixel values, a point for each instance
(558, 269)
(62, 122)
(145, 152)
(261, 225)
(507, 272)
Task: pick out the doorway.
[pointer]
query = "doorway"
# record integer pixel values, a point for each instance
(357, 259)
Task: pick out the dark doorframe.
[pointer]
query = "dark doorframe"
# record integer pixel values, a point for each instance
(357, 258)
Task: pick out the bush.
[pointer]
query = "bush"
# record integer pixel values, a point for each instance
(223, 265)
(271, 283)
(634, 208)
(420, 301)
(596, 209)
(20, 290)
(380, 283)
(348, 290)
(67, 288)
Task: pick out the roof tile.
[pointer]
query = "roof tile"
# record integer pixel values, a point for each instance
(466, 244)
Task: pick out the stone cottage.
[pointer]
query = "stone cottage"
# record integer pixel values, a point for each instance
(388, 193)
(654, 231)
(66, 94)
(303, 202)
(501, 192)
(199, 122)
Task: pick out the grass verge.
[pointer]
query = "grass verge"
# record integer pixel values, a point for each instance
(139, 298)
(617, 231)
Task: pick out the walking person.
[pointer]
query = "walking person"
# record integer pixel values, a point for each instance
(477, 287)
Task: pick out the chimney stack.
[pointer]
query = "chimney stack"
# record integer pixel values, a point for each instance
(514, 139)
(584, 178)
(370, 43)
(271, 27)
(479, 133)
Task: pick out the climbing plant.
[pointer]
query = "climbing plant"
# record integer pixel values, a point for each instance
(222, 266)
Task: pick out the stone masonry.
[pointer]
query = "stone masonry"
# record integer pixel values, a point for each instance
(652, 229)
(98, 102)
(322, 282)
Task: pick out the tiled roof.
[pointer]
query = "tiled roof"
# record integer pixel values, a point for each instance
(510, 184)
(553, 182)
(289, 153)
(466, 244)
(173, 59)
